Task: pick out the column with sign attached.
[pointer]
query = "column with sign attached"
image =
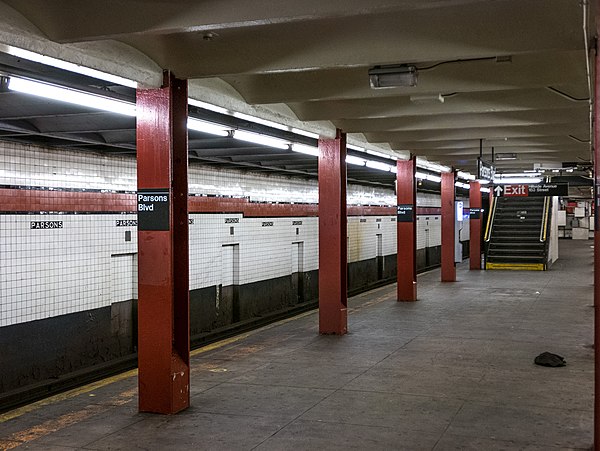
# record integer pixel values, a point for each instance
(163, 285)
(406, 217)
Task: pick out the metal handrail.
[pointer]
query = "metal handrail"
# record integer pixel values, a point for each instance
(488, 229)
(544, 228)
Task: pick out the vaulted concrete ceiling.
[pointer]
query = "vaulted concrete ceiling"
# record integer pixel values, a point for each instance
(510, 72)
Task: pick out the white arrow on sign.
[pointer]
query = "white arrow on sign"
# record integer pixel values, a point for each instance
(498, 190)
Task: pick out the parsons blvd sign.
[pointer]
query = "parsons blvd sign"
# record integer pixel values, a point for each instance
(538, 189)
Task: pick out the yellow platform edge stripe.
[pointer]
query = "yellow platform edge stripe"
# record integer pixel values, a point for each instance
(15, 413)
(516, 266)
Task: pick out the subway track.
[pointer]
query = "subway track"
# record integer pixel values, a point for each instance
(50, 387)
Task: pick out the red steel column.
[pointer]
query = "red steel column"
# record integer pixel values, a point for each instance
(163, 285)
(406, 192)
(333, 291)
(448, 265)
(475, 225)
(597, 244)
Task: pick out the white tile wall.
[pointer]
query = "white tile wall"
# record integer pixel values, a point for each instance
(362, 236)
(265, 251)
(88, 263)
(428, 200)
(429, 231)
(56, 271)
(30, 165)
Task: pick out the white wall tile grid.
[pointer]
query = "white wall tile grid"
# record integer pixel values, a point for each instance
(88, 263)
(30, 165)
(79, 266)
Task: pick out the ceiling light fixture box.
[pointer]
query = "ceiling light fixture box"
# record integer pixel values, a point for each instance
(427, 98)
(393, 76)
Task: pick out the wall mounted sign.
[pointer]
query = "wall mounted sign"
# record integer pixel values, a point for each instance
(46, 225)
(405, 213)
(536, 190)
(126, 223)
(153, 209)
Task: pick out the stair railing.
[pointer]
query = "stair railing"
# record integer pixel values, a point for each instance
(545, 213)
(490, 221)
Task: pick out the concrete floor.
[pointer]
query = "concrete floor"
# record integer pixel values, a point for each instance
(452, 371)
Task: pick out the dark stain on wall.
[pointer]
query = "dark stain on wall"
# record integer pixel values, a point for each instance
(49, 348)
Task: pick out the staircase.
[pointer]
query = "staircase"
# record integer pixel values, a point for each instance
(516, 234)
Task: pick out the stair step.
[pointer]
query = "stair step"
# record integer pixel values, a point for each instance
(510, 247)
(517, 244)
(518, 217)
(515, 218)
(515, 234)
(510, 228)
(517, 223)
(515, 259)
(511, 253)
(508, 231)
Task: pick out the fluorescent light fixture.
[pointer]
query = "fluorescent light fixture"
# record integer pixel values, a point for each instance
(427, 99)
(485, 190)
(381, 154)
(371, 152)
(422, 163)
(505, 156)
(517, 174)
(483, 182)
(248, 117)
(207, 127)
(433, 178)
(430, 177)
(308, 150)
(393, 76)
(61, 94)
(207, 106)
(379, 165)
(71, 67)
(466, 175)
(304, 133)
(258, 120)
(353, 147)
(463, 185)
(438, 167)
(517, 180)
(261, 139)
(351, 159)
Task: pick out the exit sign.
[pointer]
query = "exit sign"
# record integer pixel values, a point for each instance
(516, 190)
(534, 190)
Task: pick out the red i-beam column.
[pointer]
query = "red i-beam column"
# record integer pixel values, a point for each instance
(407, 230)
(597, 245)
(333, 292)
(475, 225)
(448, 265)
(163, 285)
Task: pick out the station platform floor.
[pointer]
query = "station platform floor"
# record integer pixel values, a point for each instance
(452, 371)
